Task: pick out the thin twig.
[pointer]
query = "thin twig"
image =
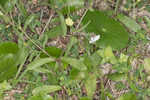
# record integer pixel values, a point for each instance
(41, 15)
(47, 24)
(37, 45)
(81, 19)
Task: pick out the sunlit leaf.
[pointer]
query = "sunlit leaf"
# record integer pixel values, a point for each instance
(40, 97)
(111, 31)
(52, 51)
(9, 60)
(5, 86)
(129, 23)
(78, 64)
(108, 55)
(117, 76)
(90, 85)
(45, 89)
(55, 32)
(38, 62)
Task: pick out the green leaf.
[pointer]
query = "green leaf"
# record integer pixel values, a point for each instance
(7, 67)
(112, 32)
(45, 89)
(38, 62)
(63, 23)
(147, 64)
(4, 86)
(40, 97)
(129, 23)
(117, 76)
(123, 58)
(128, 96)
(28, 21)
(76, 74)
(85, 98)
(41, 70)
(9, 60)
(52, 51)
(72, 42)
(3, 2)
(90, 85)
(55, 32)
(78, 64)
(108, 54)
(8, 47)
(92, 61)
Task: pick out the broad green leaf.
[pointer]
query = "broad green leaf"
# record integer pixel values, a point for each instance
(38, 62)
(128, 96)
(55, 32)
(117, 76)
(76, 63)
(76, 74)
(90, 85)
(112, 32)
(9, 60)
(8, 47)
(45, 89)
(129, 23)
(3, 2)
(52, 51)
(147, 64)
(7, 67)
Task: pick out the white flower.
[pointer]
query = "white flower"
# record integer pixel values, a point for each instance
(69, 21)
(94, 39)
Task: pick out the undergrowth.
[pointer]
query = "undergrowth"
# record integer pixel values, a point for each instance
(74, 50)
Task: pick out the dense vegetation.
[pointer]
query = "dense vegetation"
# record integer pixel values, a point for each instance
(74, 50)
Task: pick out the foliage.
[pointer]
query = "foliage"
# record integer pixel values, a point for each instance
(68, 54)
(112, 32)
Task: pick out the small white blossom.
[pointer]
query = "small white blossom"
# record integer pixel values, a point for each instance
(69, 21)
(94, 39)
